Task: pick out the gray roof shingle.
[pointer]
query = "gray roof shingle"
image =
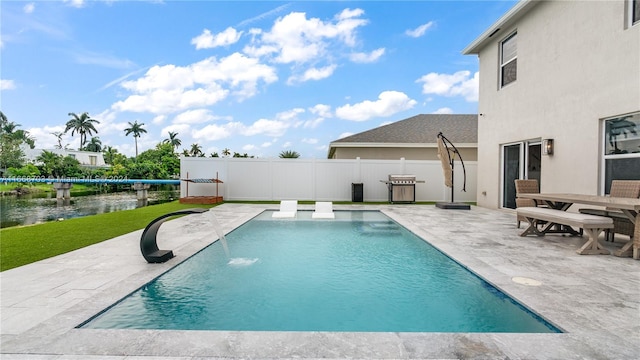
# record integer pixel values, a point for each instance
(424, 128)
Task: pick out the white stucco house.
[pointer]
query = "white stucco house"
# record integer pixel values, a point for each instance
(565, 71)
(87, 159)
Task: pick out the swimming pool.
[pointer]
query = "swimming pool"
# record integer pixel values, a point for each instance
(360, 272)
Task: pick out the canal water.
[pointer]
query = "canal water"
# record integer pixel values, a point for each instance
(30, 209)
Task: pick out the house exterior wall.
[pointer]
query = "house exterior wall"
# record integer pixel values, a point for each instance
(84, 157)
(577, 63)
(394, 153)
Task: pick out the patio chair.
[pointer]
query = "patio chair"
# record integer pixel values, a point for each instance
(288, 209)
(526, 186)
(324, 210)
(621, 224)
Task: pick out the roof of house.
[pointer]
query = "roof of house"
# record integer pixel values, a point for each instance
(421, 129)
(507, 20)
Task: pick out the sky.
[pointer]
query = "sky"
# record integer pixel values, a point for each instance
(253, 77)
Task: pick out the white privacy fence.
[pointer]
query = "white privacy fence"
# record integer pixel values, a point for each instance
(319, 179)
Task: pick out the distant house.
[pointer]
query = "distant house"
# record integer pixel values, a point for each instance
(87, 159)
(413, 139)
(564, 74)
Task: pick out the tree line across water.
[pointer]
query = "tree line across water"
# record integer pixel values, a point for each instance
(161, 162)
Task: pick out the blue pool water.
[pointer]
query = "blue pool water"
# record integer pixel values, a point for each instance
(360, 272)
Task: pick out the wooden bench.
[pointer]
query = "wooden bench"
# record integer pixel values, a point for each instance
(593, 225)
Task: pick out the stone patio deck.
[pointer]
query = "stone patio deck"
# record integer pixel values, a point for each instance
(595, 299)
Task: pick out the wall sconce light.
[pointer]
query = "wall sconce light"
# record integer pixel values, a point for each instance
(547, 147)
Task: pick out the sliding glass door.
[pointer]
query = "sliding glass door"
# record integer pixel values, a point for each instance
(511, 160)
(520, 160)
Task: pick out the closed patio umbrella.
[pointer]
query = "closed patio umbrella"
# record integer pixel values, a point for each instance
(447, 153)
(445, 159)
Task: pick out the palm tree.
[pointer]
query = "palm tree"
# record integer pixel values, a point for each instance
(226, 152)
(109, 154)
(173, 140)
(94, 145)
(289, 154)
(58, 136)
(10, 129)
(135, 129)
(196, 150)
(10, 140)
(185, 152)
(49, 162)
(83, 125)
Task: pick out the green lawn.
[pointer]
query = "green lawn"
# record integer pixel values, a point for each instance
(43, 188)
(26, 244)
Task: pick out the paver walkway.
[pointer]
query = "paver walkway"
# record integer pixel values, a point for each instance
(594, 298)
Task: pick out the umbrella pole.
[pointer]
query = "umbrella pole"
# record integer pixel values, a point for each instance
(452, 181)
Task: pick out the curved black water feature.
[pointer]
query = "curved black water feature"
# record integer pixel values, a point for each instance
(148, 242)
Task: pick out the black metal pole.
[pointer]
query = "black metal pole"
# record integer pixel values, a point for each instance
(452, 180)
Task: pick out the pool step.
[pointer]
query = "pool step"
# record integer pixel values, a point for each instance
(380, 228)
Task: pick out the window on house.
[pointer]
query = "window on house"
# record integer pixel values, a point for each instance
(93, 160)
(621, 149)
(635, 11)
(508, 60)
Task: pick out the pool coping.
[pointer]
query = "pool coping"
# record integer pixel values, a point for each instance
(584, 295)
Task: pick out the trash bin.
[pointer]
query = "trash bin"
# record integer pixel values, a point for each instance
(357, 192)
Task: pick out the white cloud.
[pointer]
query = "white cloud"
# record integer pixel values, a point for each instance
(309, 141)
(444, 110)
(178, 129)
(75, 3)
(7, 84)
(348, 23)
(264, 15)
(313, 74)
(457, 84)
(287, 144)
(45, 138)
(89, 58)
(344, 135)
(388, 103)
(206, 40)
(367, 58)
(249, 147)
(158, 120)
(314, 123)
(121, 78)
(215, 132)
(171, 88)
(108, 123)
(321, 110)
(167, 77)
(196, 116)
(296, 39)
(267, 127)
(289, 115)
(162, 101)
(420, 30)
(29, 8)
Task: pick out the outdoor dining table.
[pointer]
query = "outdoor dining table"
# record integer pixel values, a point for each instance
(630, 207)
